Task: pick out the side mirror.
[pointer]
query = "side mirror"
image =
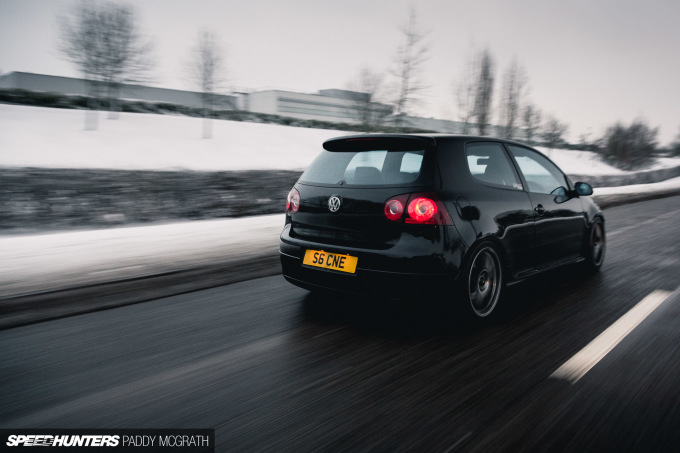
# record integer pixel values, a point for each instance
(583, 188)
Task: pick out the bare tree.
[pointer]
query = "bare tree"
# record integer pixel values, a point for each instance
(103, 40)
(408, 68)
(531, 120)
(366, 107)
(464, 90)
(207, 69)
(553, 131)
(514, 84)
(484, 81)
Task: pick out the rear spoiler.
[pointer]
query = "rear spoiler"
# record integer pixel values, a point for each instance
(379, 142)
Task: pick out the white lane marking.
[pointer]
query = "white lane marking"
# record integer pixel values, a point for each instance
(574, 369)
(460, 441)
(329, 332)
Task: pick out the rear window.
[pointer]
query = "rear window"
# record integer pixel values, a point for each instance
(360, 168)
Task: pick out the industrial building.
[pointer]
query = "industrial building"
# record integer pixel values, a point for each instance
(131, 92)
(331, 105)
(338, 106)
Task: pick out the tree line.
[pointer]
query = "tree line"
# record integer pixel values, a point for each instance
(103, 40)
(513, 116)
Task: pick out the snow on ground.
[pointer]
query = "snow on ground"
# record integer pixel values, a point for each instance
(57, 260)
(669, 184)
(589, 163)
(581, 162)
(55, 138)
(665, 162)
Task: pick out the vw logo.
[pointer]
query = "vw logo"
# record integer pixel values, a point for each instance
(333, 204)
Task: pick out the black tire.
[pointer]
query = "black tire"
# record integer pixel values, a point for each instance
(595, 247)
(482, 281)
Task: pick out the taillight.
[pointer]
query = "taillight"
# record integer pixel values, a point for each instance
(394, 209)
(421, 209)
(293, 201)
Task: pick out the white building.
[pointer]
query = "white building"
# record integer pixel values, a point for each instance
(331, 105)
(131, 92)
(337, 106)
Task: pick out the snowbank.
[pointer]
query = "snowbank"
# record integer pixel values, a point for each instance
(43, 262)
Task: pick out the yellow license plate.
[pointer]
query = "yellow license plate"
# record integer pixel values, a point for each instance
(334, 261)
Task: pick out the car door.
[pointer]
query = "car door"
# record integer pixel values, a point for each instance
(502, 207)
(559, 219)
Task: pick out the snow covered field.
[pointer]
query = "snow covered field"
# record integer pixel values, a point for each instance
(55, 138)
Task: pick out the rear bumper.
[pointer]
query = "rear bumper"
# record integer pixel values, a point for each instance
(391, 273)
(397, 285)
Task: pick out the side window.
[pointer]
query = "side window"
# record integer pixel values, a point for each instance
(489, 164)
(542, 176)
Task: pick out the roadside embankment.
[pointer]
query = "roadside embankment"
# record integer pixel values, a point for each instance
(34, 200)
(46, 199)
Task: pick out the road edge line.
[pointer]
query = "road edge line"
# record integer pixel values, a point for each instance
(584, 360)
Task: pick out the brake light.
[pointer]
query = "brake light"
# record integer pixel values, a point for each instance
(293, 201)
(422, 208)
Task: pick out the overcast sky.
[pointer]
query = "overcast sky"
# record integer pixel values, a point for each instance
(589, 62)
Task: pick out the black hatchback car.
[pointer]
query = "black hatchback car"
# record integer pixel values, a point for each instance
(435, 216)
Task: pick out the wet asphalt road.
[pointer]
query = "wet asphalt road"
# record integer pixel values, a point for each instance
(273, 369)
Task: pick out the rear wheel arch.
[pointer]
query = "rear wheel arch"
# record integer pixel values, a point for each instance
(498, 246)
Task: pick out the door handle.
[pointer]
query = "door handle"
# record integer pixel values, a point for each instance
(540, 210)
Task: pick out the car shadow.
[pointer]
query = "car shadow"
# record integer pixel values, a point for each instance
(400, 319)
(434, 318)
(542, 293)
